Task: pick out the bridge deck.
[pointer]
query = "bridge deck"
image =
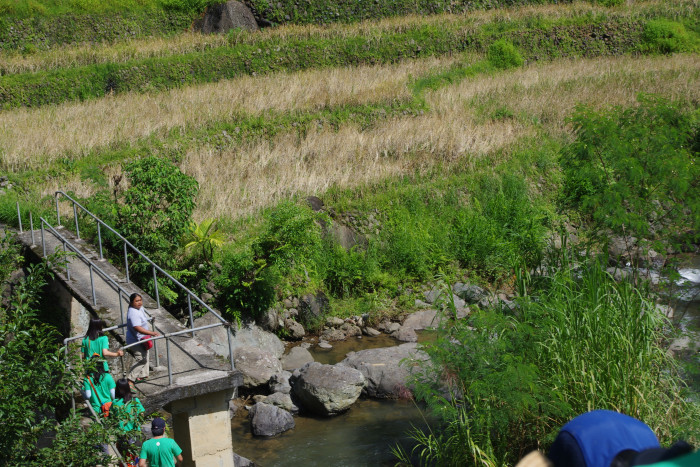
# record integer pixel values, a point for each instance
(196, 369)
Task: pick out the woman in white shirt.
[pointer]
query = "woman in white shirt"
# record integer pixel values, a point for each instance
(137, 328)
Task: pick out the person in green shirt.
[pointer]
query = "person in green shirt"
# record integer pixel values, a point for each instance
(159, 451)
(98, 388)
(96, 343)
(127, 409)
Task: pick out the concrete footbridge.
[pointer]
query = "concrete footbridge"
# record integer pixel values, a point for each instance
(189, 379)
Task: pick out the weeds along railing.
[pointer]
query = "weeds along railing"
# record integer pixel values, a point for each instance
(155, 268)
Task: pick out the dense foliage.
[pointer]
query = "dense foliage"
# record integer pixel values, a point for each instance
(635, 171)
(35, 383)
(576, 341)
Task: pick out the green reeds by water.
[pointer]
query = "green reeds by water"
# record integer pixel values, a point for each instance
(577, 341)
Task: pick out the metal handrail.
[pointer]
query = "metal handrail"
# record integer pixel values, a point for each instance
(120, 290)
(93, 267)
(155, 267)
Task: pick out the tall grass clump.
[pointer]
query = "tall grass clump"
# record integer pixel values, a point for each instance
(576, 341)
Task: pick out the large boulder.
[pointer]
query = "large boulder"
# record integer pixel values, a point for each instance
(248, 335)
(295, 330)
(470, 293)
(283, 401)
(279, 382)
(419, 320)
(386, 370)
(327, 389)
(226, 16)
(257, 365)
(269, 420)
(296, 358)
(313, 307)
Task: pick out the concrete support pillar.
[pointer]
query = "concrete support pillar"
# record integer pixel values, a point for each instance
(202, 428)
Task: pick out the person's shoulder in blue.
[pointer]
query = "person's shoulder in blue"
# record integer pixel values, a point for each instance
(159, 451)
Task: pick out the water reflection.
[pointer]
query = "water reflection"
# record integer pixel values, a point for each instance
(362, 436)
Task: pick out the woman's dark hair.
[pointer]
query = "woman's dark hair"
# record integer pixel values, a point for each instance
(132, 297)
(98, 371)
(123, 391)
(95, 328)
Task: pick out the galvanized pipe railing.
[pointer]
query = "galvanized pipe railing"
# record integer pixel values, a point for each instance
(127, 245)
(121, 292)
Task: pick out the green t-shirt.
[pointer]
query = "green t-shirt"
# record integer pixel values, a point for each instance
(160, 452)
(689, 460)
(102, 387)
(91, 348)
(128, 413)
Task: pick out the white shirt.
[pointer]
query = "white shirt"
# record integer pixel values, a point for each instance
(135, 317)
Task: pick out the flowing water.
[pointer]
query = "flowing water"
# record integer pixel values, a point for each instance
(364, 435)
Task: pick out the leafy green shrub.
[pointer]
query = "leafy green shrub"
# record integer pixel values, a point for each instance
(634, 171)
(194, 6)
(285, 254)
(247, 285)
(156, 209)
(664, 36)
(503, 55)
(349, 273)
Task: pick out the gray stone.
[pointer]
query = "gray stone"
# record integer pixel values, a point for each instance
(432, 295)
(370, 332)
(251, 335)
(315, 203)
(351, 330)
(240, 461)
(392, 327)
(224, 17)
(313, 307)
(470, 293)
(296, 330)
(333, 335)
(325, 345)
(288, 303)
(270, 320)
(269, 420)
(283, 401)
(259, 398)
(279, 382)
(421, 304)
(346, 236)
(334, 322)
(296, 358)
(386, 370)
(405, 335)
(257, 365)
(327, 389)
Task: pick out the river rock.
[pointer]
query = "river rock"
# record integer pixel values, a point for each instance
(332, 334)
(327, 389)
(470, 293)
(370, 332)
(312, 307)
(324, 345)
(296, 358)
(283, 401)
(279, 382)
(296, 330)
(417, 321)
(386, 370)
(240, 461)
(270, 320)
(351, 330)
(250, 335)
(269, 420)
(257, 365)
(334, 322)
